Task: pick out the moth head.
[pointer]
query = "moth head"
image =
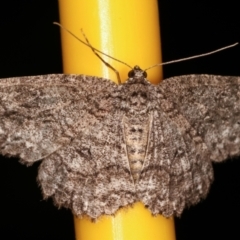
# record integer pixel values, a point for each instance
(137, 72)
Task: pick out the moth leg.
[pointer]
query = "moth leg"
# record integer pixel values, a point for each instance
(106, 63)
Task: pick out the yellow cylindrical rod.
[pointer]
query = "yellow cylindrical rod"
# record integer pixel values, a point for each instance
(128, 31)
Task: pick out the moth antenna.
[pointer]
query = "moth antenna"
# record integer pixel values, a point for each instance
(196, 56)
(106, 63)
(93, 48)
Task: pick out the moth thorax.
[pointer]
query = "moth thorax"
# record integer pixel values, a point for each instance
(136, 136)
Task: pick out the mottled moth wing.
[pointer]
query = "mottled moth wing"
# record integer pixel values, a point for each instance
(91, 175)
(73, 123)
(39, 114)
(211, 105)
(177, 171)
(197, 121)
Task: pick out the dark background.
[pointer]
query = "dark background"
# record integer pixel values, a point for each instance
(30, 45)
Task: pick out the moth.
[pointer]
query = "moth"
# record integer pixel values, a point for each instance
(105, 146)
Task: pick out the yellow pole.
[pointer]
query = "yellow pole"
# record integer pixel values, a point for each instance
(129, 31)
(126, 30)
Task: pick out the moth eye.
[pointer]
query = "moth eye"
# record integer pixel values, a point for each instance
(131, 73)
(144, 74)
(133, 130)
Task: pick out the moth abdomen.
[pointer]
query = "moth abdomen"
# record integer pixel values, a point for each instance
(136, 137)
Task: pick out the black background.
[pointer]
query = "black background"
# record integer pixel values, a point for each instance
(30, 45)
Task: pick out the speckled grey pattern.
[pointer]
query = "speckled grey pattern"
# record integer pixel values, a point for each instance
(105, 146)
